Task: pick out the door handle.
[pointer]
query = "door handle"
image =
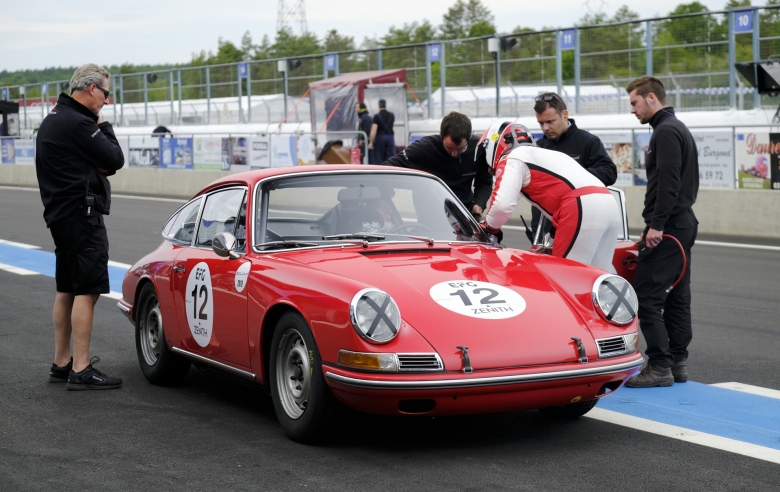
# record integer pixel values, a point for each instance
(179, 269)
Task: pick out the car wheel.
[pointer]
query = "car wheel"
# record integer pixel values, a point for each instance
(302, 401)
(158, 363)
(570, 411)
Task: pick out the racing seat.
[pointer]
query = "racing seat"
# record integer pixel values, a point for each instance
(355, 212)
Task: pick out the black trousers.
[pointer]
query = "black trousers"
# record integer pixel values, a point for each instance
(665, 319)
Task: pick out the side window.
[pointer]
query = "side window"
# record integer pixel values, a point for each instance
(219, 215)
(241, 226)
(181, 227)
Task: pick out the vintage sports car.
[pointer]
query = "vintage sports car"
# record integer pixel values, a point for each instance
(373, 287)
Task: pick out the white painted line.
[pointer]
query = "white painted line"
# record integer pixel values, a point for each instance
(152, 198)
(19, 245)
(113, 295)
(130, 197)
(119, 265)
(17, 270)
(687, 435)
(729, 245)
(747, 388)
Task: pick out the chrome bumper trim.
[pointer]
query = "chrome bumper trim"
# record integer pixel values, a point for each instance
(122, 307)
(217, 365)
(472, 382)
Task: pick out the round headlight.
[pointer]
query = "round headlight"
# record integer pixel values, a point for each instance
(615, 299)
(375, 315)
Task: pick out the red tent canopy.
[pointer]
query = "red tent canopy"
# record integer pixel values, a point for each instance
(360, 79)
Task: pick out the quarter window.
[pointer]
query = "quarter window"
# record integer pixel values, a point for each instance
(181, 227)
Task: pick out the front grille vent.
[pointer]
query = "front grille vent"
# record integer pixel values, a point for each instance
(419, 362)
(609, 347)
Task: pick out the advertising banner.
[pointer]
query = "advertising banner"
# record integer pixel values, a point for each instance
(239, 154)
(716, 159)
(753, 152)
(259, 152)
(25, 151)
(142, 151)
(619, 146)
(283, 151)
(641, 146)
(7, 150)
(176, 153)
(305, 149)
(208, 154)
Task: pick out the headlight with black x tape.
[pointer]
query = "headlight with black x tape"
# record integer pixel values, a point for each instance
(375, 315)
(615, 299)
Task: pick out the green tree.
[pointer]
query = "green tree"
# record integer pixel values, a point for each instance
(467, 18)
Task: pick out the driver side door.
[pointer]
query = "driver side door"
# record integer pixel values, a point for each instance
(209, 290)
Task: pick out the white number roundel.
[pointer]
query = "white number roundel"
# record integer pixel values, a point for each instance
(200, 304)
(478, 299)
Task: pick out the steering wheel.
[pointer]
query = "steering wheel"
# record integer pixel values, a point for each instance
(423, 228)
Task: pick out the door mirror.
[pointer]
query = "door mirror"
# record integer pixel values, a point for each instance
(224, 245)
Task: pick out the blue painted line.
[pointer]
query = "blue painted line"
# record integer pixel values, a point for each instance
(719, 411)
(45, 262)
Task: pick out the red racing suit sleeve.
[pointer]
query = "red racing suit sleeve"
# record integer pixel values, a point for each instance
(511, 175)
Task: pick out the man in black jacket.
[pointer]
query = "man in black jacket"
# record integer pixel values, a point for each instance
(75, 151)
(450, 157)
(381, 140)
(672, 184)
(364, 125)
(561, 134)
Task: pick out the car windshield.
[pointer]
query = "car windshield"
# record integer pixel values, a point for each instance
(297, 211)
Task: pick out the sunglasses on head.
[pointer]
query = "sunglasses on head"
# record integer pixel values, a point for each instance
(547, 97)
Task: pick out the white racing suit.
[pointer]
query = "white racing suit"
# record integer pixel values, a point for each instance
(581, 208)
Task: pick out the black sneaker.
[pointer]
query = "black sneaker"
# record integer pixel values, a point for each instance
(59, 374)
(92, 379)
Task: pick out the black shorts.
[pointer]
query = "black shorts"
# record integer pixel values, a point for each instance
(82, 255)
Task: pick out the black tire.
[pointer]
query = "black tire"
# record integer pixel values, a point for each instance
(570, 411)
(159, 365)
(304, 406)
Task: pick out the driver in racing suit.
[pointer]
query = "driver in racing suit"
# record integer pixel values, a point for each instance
(580, 206)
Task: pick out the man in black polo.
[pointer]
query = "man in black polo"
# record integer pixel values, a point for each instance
(75, 151)
(672, 185)
(450, 157)
(381, 141)
(561, 134)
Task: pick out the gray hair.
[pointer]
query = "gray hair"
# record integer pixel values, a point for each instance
(86, 75)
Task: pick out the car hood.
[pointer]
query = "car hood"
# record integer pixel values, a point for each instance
(489, 300)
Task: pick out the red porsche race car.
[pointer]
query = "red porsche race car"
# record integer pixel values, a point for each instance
(373, 287)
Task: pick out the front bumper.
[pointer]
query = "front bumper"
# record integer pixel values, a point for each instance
(483, 391)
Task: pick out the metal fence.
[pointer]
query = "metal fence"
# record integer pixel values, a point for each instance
(589, 66)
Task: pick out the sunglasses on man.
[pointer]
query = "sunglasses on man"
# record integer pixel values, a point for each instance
(106, 93)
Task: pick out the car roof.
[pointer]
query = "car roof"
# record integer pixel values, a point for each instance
(252, 177)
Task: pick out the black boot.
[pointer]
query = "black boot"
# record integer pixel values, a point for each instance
(650, 377)
(680, 372)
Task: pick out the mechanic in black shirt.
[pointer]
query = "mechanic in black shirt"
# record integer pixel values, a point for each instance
(672, 184)
(561, 134)
(381, 140)
(74, 152)
(364, 125)
(450, 157)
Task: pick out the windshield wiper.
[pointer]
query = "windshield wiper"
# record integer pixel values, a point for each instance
(356, 235)
(428, 240)
(282, 244)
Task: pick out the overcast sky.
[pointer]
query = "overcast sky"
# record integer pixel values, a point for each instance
(36, 34)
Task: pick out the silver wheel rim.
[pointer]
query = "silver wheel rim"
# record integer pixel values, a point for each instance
(152, 332)
(293, 374)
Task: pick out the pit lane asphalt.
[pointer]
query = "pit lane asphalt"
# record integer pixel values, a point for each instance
(213, 432)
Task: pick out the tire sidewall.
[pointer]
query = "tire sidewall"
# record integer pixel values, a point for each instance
(311, 423)
(169, 367)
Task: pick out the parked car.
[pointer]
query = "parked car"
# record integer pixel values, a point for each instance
(373, 287)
